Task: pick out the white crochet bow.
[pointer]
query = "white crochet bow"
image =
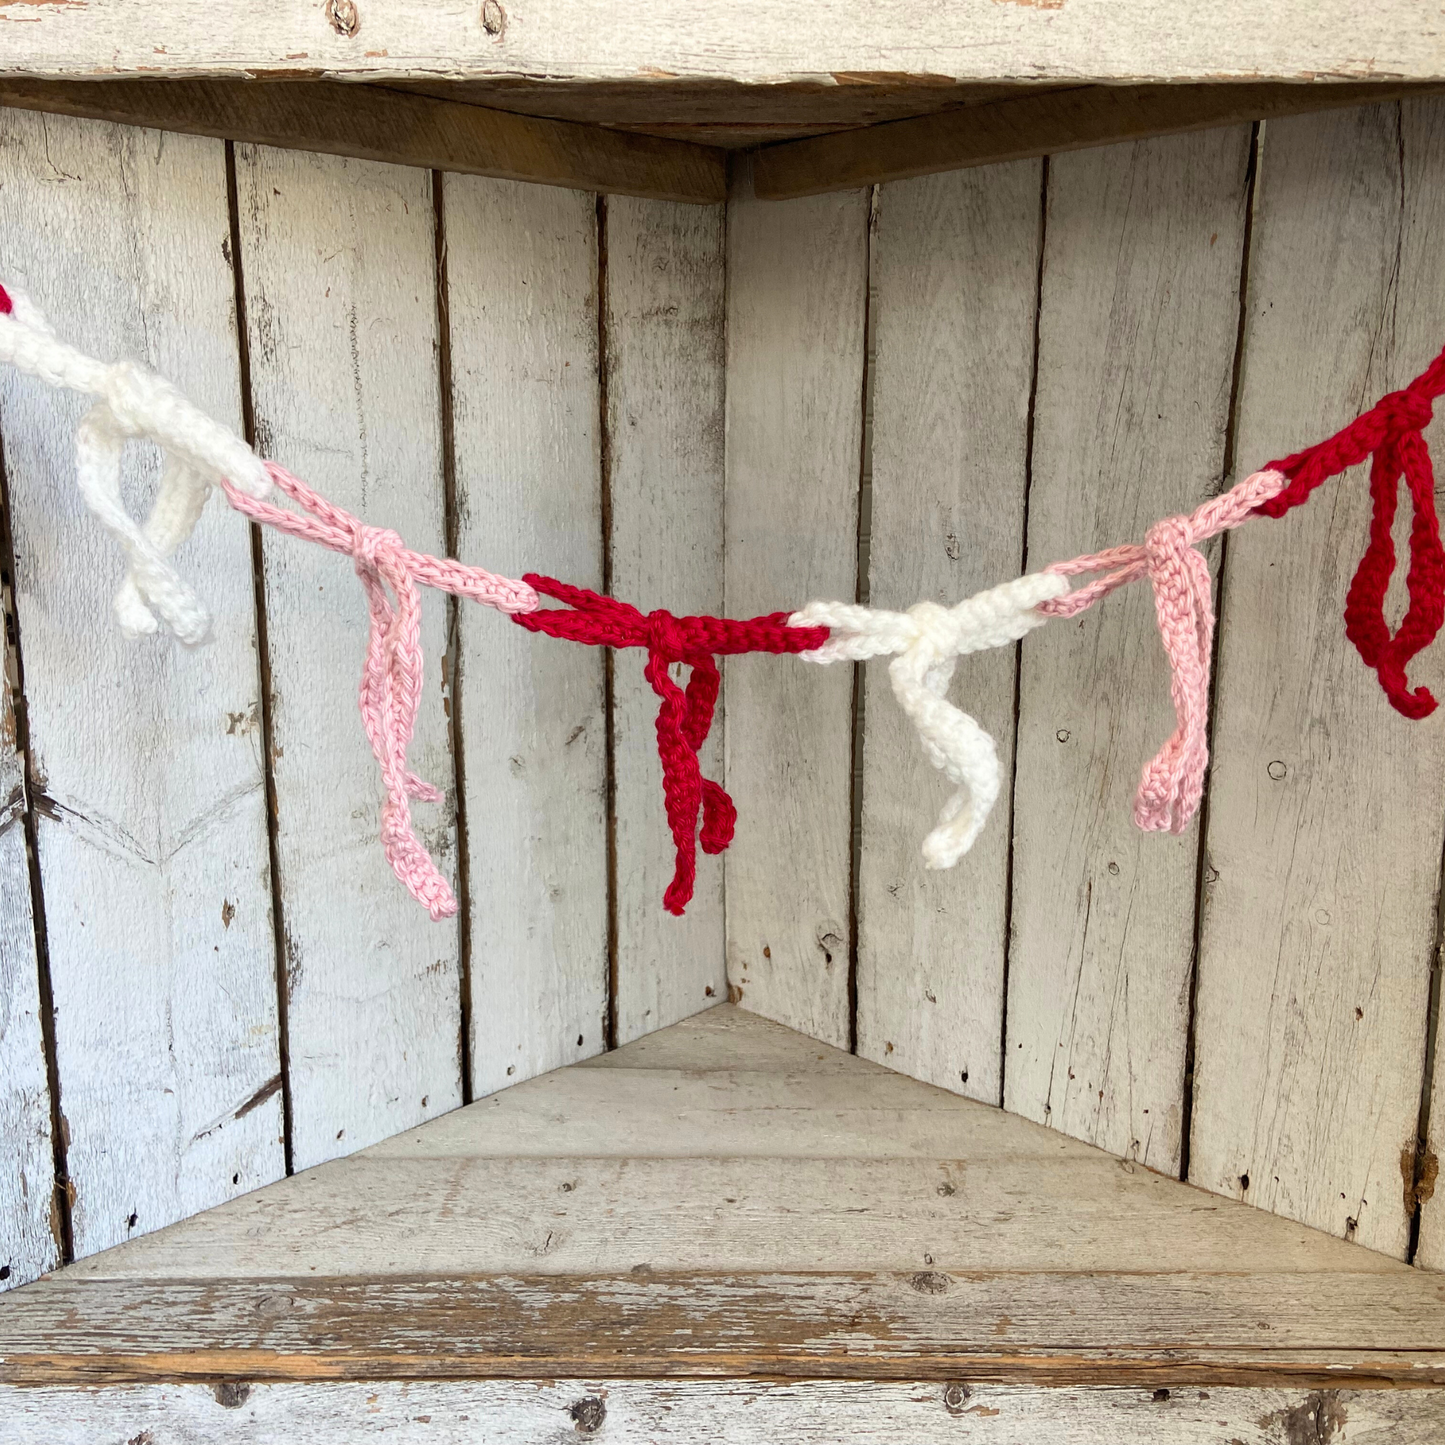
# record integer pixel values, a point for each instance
(133, 401)
(929, 639)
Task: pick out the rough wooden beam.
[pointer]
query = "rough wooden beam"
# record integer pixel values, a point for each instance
(753, 42)
(387, 125)
(1034, 125)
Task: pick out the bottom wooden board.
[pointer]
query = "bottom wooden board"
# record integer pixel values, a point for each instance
(631, 1412)
(1298, 1330)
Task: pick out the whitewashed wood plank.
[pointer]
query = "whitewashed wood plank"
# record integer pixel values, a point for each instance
(29, 1212)
(522, 295)
(728, 1037)
(955, 273)
(1326, 806)
(1138, 324)
(734, 1113)
(797, 309)
(664, 377)
(580, 1215)
(147, 773)
(701, 1412)
(750, 42)
(338, 259)
(1068, 1328)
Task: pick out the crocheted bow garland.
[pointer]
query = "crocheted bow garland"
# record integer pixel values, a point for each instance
(684, 717)
(132, 402)
(928, 637)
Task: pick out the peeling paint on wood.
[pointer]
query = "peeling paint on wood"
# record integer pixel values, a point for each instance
(683, 1412)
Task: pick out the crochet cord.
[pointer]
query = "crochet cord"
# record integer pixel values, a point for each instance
(391, 678)
(684, 717)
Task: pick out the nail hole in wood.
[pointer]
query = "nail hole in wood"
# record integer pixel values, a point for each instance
(955, 1397)
(342, 16)
(588, 1414)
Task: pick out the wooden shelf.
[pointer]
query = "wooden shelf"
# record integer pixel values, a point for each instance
(671, 140)
(728, 1198)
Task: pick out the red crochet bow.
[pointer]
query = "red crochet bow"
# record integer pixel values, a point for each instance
(1391, 432)
(684, 717)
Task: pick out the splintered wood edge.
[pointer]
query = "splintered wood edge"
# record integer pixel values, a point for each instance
(1302, 1330)
(371, 123)
(1041, 124)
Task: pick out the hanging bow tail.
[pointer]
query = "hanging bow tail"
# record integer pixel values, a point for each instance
(1391, 433)
(684, 716)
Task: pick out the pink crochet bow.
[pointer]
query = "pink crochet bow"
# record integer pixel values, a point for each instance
(1173, 780)
(391, 679)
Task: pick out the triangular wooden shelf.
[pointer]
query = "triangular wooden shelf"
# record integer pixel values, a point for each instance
(727, 1197)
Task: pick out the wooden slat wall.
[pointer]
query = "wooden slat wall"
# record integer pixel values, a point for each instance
(955, 276)
(30, 1233)
(537, 381)
(429, 352)
(338, 262)
(145, 758)
(1319, 914)
(797, 306)
(664, 391)
(522, 264)
(1138, 411)
(1139, 314)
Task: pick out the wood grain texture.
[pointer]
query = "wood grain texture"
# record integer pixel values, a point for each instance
(722, 113)
(570, 1215)
(1324, 843)
(1034, 124)
(29, 1211)
(367, 123)
(338, 261)
(784, 1161)
(1137, 332)
(805, 1214)
(752, 42)
(522, 296)
(797, 307)
(955, 273)
(1057, 1329)
(147, 773)
(664, 369)
(654, 1412)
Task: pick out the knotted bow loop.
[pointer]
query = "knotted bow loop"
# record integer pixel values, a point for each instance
(135, 403)
(684, 716)
(1172, 782)
(929, 638)
(391, 678)
(1390, 432)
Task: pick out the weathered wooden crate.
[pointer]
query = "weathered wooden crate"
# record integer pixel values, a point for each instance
(719, 309)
